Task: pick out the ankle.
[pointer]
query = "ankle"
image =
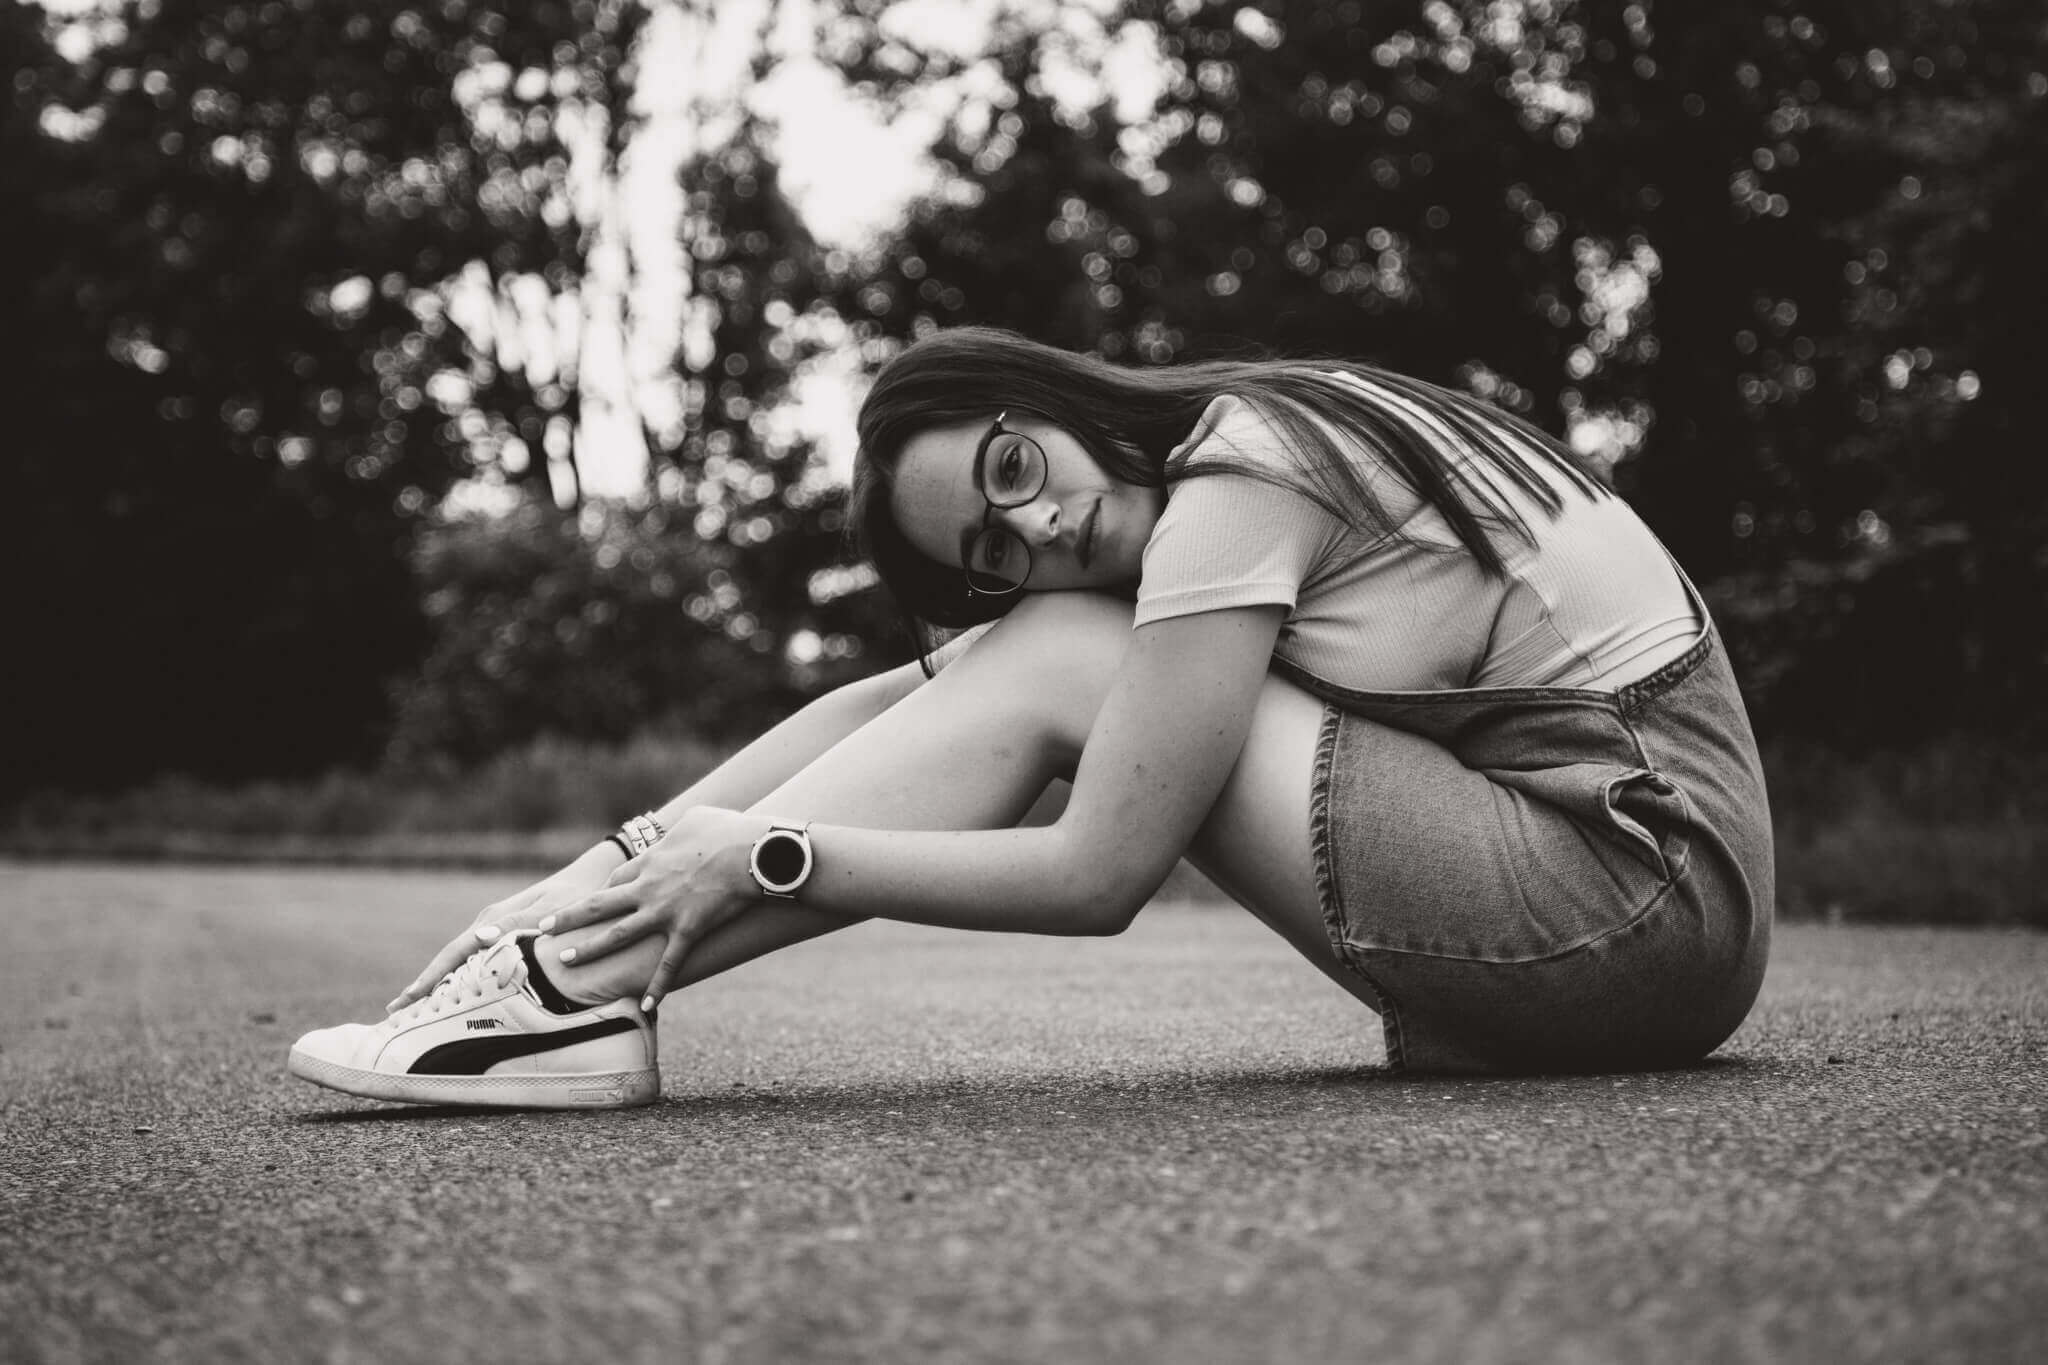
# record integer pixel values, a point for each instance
(560, 986)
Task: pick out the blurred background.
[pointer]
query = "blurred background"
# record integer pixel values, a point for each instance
(427, 426)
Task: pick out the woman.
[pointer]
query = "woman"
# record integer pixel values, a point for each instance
(1390, 666)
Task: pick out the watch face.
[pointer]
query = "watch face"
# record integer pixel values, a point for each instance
(780, 859)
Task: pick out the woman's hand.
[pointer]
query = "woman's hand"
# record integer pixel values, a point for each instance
(521, 910)
(695, 879)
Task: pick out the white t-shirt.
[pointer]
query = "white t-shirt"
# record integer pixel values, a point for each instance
(1594, 603)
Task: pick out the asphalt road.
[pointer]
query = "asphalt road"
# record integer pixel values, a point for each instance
(907, 1145)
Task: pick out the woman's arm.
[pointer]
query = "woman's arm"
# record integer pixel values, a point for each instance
(1164, 743)
(1161, 748)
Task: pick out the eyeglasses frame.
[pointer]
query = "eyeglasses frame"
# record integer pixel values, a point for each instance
(967, 541)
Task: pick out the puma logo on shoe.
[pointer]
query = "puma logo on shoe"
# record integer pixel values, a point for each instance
(486, 1023)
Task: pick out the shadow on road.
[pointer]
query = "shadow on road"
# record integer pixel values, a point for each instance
(1189, 1095)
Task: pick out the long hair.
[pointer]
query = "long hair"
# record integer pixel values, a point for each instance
(1130, 419)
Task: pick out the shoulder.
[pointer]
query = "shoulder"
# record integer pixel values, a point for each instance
(1231, 430)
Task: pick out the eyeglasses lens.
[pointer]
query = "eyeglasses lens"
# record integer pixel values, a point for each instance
(997, 562)
(1012, 470)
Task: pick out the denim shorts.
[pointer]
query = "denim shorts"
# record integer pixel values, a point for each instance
(1547, 878)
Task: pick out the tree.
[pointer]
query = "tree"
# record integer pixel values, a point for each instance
(242, 234)
(593, 626)
(1676, 237)
(1941, 594)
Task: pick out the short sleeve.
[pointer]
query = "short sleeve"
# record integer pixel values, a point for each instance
(954, 647)
(1232, 539)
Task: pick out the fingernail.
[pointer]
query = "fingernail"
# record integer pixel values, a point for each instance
(546, 925)
(568, 954)
(646, 1003)
(390, 1005)
(487, 932)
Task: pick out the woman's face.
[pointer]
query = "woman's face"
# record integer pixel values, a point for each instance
(1084, 529)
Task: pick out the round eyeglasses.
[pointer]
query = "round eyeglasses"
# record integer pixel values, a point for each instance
(1009, 469)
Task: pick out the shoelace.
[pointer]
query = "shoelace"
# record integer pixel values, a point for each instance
(465, 983)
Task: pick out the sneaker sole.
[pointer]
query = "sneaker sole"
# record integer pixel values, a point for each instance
(599, 1090)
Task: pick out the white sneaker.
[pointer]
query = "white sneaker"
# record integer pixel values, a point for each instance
(483, 1037)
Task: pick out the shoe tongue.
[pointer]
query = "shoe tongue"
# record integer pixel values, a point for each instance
(504, 960)
(483, 967)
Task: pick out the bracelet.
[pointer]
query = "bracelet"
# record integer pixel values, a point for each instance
(639, 834)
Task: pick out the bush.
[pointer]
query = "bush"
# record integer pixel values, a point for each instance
(593, 626)
(1943, 832)
(550, 784)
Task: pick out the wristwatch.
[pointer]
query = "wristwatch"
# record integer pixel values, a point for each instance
(781, 861)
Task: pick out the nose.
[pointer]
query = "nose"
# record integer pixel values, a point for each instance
(1036, 523)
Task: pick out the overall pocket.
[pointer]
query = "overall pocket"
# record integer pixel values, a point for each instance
(1639, 810)
(1420, 854)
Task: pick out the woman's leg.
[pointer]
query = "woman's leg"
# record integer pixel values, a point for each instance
(974, 748)
(1255, 844)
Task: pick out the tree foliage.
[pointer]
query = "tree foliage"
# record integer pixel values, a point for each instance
(1699, 243)
(290, 271)
(240, 232)
(750, 486)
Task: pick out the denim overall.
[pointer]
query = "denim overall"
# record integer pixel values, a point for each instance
(1548, 878)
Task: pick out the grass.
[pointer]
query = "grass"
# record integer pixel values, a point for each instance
(531, 807)
(1948, 833)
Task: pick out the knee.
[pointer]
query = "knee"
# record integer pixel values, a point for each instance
(1060, 635)
(1071, 621)
(1054, 656)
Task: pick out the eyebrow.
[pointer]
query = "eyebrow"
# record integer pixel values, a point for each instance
(968, 536)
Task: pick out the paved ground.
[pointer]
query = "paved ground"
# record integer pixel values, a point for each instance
(905, 1145)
